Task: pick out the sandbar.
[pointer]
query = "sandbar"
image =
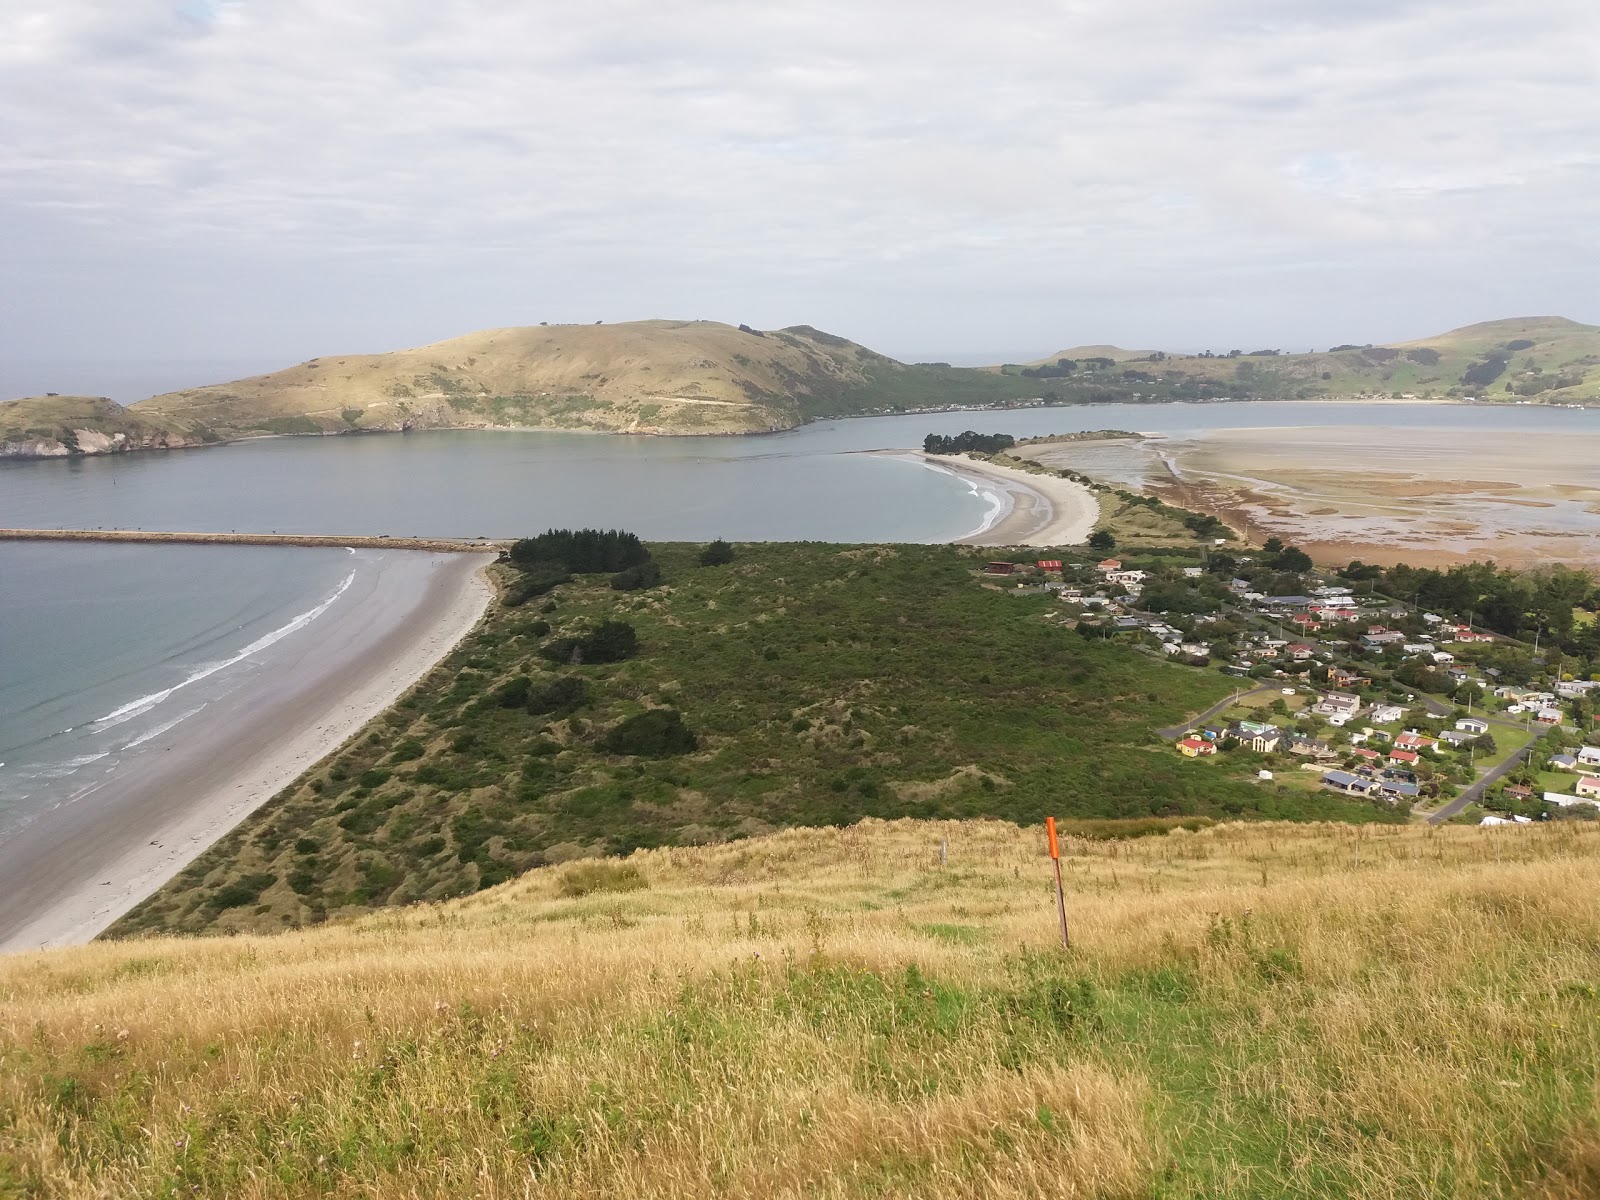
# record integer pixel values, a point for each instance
(73, 871)
(1036, 510)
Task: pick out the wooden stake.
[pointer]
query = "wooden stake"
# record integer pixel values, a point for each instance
(1061, 898)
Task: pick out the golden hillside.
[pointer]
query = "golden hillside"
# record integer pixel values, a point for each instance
(639, 377)
(1253, 1010)
(60, 426)
(1548, 360)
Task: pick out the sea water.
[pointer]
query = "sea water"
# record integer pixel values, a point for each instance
(103, 648)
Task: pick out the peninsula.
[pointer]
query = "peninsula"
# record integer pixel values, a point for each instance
(704, 377)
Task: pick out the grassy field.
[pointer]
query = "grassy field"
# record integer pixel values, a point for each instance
(821, 684)
(1261, 1010)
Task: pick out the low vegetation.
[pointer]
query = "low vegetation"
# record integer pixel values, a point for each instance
(792, 685)
(1248, 1011)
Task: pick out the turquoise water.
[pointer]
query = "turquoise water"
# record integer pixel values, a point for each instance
(89, 633)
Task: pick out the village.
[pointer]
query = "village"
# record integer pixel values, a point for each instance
(1342, 691)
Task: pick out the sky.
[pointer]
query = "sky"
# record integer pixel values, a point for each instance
(189, 186)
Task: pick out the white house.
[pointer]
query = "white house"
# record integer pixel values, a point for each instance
(1588, 787)
(1589, 756)
(1473, 725)
(1385, 714)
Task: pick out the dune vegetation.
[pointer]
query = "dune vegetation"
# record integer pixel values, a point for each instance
(692, 698)
(1250, 1010)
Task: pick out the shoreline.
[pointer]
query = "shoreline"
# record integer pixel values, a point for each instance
(1036, 510)
(74, 870)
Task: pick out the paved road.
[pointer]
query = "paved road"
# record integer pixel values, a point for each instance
(1220, 706)
(1474, 790)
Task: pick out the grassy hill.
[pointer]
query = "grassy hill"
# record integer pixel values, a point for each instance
(823, 684)
(1546, 359)
(61, 426)
(639, 377)
(1251, 1011)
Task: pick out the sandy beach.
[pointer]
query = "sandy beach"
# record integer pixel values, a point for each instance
(74, 870)
(1030, 510)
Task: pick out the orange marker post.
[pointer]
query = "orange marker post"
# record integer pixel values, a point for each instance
(1061, 898)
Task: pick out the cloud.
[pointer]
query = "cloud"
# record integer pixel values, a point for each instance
(726, 153)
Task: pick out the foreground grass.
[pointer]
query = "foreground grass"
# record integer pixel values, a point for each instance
(1248, 1011)
(823, 683)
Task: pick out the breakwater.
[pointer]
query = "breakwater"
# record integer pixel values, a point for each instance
(368, 541)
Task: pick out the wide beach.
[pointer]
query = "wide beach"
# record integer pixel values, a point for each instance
(1026, 509)
(75, 869)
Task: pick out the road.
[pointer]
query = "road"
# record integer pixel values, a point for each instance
(1221, 706)
(1473, 791)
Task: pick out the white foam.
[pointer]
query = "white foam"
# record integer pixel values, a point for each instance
(144, 704)
(160, 729)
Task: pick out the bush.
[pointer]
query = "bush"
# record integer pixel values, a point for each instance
(514, 692)
(658, 733)
(634, 579)
(582, 551)
(717, 554)
(562, 695)
(587, 878)
(406, 750)
(610, 641)
(534, 579)
(241, 892)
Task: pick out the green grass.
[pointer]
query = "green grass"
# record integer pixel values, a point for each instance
(820, 684)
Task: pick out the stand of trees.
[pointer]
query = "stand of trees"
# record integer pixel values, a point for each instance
(981, 443)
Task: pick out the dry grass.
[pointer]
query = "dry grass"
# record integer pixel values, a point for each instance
(1259, 1010)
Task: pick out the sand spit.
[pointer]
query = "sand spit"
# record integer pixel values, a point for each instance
(74, 870)
(1031, 510)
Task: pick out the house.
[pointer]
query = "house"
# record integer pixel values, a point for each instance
(1409, 757)
(1305, 622)
(1563, 762)
(1457, 737)
(1518, 791)
(1339, 677)
(1309, 747)
(1588, 787)
(1193, 572)
(1384, 714)
(1440, 657)
(1299, 651)
(1000, 568)
(1395, 788)
(1126, 578)
(1287, 601)
(1370, 756)
(1378, 641)
(1343, 781)
(1110, 564)
(1548, 716)
(1267, 740)
(1411, 740)
(1473, 725)
(1193, 747)
(1049, 564)
(1562, 800)
(1589, 756)
(1338, 704)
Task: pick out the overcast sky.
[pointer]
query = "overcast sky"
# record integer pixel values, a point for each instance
(259, 181)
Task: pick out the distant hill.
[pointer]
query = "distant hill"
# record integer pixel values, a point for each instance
(1546, 359)
(61, 426)
(666, 377)
(658, 377)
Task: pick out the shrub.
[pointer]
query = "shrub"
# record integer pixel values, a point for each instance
(534, 579)
(565, 694)
(717, 554)
(514, 692)
(610, 641)
(658, 733)
(634, 579)
(241, 892)
(587, 878)
(406, 750)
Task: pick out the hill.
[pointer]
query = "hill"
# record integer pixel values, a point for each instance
(797, 685)
(639, 377)
(1549, 360)
(61, 426)
(1250, 1011)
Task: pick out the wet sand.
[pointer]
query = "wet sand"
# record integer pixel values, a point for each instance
(1031, 510)
(73, 871)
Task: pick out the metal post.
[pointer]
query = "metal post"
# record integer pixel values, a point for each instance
(1061, 899)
